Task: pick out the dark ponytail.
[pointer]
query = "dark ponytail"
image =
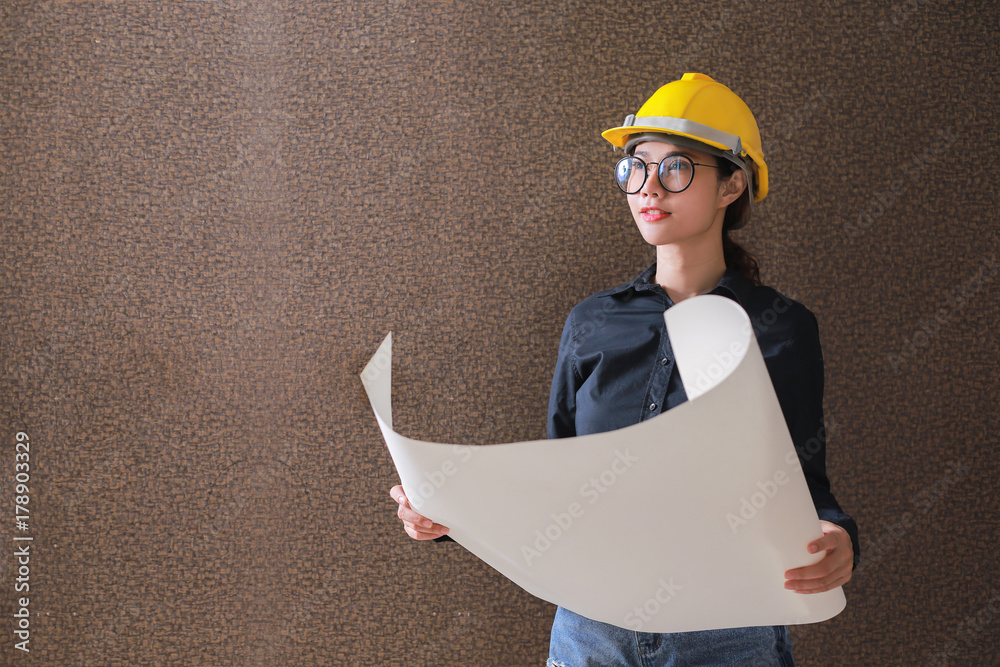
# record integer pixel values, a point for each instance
(740, 259)
(737, 257)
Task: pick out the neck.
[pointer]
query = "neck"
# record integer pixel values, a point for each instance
(685, 272)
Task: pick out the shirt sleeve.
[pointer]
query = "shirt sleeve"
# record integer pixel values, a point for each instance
(797, 375)
(565, 381)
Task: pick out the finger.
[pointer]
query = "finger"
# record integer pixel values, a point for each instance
(816, 546)
(831, 568)
(408, 515)
(398, 494)
(820, 585)
(803, 577)
(405, 512)
(812, 579)
(420, 533)
(834, 560)
(828, 542)
(416, 525)
(833, 536)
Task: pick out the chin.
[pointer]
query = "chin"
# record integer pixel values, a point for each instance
(657, 236)
(655, 240)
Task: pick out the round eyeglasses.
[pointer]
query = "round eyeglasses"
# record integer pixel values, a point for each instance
(674, 171)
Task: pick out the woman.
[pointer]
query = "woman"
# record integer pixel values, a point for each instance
(692, 169)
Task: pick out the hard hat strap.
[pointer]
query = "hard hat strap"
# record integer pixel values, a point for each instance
(685, 126)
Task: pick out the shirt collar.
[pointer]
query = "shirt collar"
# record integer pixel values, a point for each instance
(732, 285)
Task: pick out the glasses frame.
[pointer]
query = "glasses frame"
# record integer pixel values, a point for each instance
(647, 165)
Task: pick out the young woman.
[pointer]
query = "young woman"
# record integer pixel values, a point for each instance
(693, 168)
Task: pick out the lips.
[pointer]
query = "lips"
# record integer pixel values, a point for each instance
(652, 214)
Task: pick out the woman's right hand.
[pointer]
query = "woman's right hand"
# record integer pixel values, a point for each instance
(416, 525)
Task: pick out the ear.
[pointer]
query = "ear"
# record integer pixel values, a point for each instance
(732, 187)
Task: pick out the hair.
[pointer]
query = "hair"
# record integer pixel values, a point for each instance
(737, 257)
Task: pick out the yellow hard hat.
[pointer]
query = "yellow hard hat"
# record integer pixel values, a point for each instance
(702, 109)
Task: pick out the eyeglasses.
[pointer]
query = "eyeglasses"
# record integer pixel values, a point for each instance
(675, 173)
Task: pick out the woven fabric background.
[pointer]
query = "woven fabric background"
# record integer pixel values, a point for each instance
(212, 212)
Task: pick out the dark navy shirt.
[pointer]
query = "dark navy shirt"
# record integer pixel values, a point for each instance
(616, 368)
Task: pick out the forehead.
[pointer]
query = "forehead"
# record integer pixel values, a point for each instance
(658, 149)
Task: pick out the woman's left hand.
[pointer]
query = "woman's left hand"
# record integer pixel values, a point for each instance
(833, 570)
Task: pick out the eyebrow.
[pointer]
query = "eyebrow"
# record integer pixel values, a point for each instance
(682, 153)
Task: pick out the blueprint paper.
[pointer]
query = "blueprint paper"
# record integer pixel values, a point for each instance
(684, 522)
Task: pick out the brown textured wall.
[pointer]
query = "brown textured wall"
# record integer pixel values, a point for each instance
(213, 212)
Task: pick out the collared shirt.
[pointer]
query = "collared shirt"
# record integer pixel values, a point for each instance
(616, 368)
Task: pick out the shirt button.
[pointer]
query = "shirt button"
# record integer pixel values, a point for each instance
(664, 361)
(652, 407)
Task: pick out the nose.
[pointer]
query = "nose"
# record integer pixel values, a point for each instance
(652, 186)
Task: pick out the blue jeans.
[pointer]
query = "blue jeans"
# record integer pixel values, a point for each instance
(580, 642)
